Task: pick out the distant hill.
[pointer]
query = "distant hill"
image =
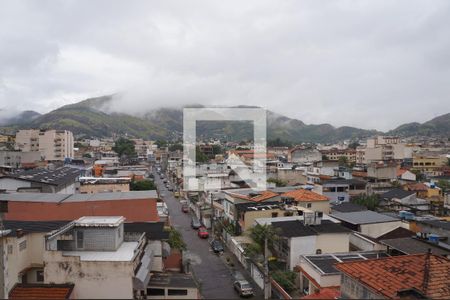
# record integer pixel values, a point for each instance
(89, 118)
(17, 119)
(439, 126)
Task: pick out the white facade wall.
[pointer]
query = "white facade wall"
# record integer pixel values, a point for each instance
(19, 259)
(365, 244)
(333, 242)
(93, 279)
(377, 229)
(303, 245)
(11, 184)
(323, 281)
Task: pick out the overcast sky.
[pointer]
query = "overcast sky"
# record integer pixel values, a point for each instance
(371, 64)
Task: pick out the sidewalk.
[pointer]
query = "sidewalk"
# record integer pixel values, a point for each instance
(234, 264)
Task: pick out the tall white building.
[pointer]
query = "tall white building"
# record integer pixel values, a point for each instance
(53, 144)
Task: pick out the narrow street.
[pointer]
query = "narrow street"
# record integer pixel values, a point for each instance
(211, 270)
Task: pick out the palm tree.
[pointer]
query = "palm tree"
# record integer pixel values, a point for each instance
(259, 233)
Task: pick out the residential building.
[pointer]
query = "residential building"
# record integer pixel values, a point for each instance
(341, 190)
(401, 200)
(247, 213)
(312, 235)
(63, 180)
(172, 286)
(292, 176)
(92, 253)
(367, 222)
(23, 246)
(429, 163)
(419, 276)
(135, 206)
(19, 159)
(336, 154)
(302, 154)
(93, 185)
(307, 199)
(24, 263)
(318, 271)
(439, 228)
(405, 175)
(382, 148)
(382, 171)
(413, 245)
(53, 144)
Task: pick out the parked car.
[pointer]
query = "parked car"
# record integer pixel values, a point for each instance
(176, 194)
(243, 287)
(195, 223)
(203, 232)
(185, 208)
(217, 246)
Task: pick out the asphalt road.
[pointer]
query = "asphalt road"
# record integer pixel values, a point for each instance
(211, 270)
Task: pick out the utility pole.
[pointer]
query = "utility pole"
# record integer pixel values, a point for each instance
(267, 285)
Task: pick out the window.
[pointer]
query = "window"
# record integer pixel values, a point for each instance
(22, 245)
(10, 249)
(80, 237)
(308, 205)
(173, 292)
(40, 276)
(155, 292)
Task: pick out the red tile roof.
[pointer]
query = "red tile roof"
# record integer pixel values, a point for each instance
(41, 291)
(325, 293)
(387, 276)
(260, 196)
(301, 195)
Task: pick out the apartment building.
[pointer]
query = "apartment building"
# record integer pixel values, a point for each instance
(383, 148)
(429, 163)
(336, 154)
(93, 253)
(53, 144)
(19, 159)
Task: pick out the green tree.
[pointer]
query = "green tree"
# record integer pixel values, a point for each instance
(371, 202)
(124, 147)
(217, 149)
(278, 182)
(161, 143)
(259, 233)
(200, 157)
(142, 185)
(87, 155)
(353, 145)
(343, 161)
(176, 240)
(175, 147)
(419, 175)
(286, 279)
(278, 143)
(444, 185)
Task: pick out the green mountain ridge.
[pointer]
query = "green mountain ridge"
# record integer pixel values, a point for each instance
(90, 118)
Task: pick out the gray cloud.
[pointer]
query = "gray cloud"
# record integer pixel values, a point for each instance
(371, 64)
